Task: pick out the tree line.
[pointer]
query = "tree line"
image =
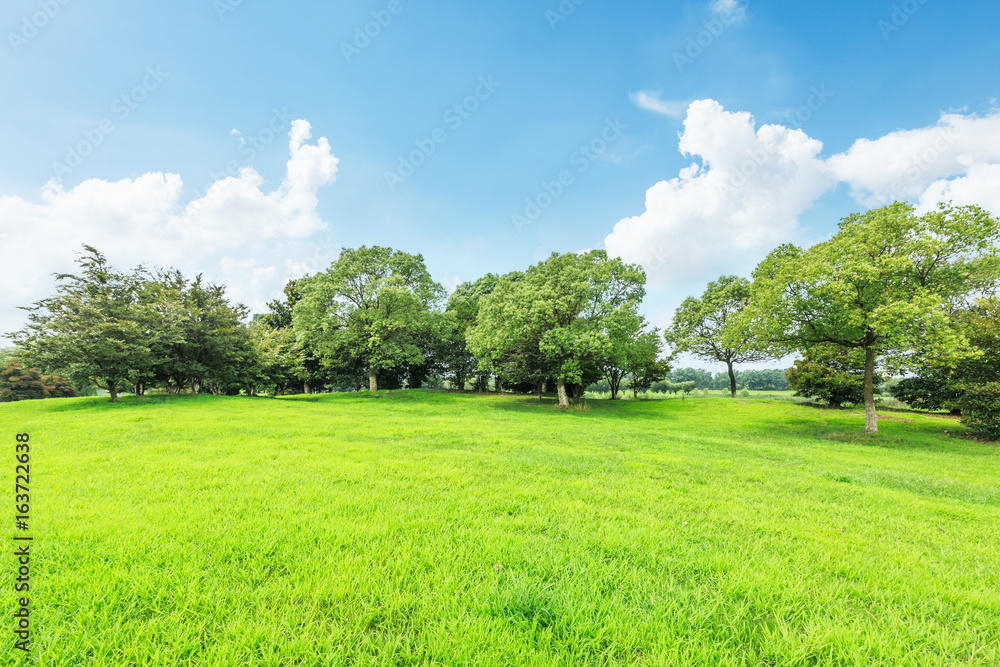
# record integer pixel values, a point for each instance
(892, 293)
(374, 319)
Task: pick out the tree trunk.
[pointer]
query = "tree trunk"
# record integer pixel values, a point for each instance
(563, 400)
(732, 378)
(306, 387)
(113, 390)
(615, 385)
(541, 388)
(871, 416)
(578, 393)
(372, 380)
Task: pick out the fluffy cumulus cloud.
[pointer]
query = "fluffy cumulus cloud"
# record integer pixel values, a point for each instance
(912, 164)
(747, 186)
(145, 220)
(744, 194)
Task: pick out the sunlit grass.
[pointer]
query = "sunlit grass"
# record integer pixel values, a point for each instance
(419, 528)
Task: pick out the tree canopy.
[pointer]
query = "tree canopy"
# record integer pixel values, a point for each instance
(886, 284)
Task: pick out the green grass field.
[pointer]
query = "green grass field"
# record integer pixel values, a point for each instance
(430, 528)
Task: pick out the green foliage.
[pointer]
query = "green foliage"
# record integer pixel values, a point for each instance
(699, 323)
(18, 383)
(556, 319)
(830, 373)
(980, 405)
(457, 360)
(96, 326)
(929, 391)
(885, 284)
(369, 312)
(643, 363)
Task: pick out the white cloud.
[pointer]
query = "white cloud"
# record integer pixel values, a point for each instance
(905, 163)
(145, 220)
(747, 188)
(652, 102)
(744, 197)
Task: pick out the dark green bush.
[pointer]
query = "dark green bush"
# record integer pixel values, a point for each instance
(980, 406)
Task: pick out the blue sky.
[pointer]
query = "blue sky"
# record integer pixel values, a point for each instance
(197, 88)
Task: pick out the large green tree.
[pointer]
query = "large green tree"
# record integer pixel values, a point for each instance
(368, 310)
(699, 323)
(97, 325)
(885, 284)
(554, 322)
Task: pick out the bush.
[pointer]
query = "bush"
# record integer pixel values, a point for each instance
(980, 406)
(932, 392)
(18, 383)
(59, 387)
(832, 374)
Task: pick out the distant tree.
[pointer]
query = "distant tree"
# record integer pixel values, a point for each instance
(702, 379)
(699, 323)
(18, 383)
(368, 310)
(643, 362)
(555, 321)
(830, 373)
(885, 284)
(96, 326)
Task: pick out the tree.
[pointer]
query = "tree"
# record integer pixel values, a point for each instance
(830, 373)
(96, 326)
(18, 383)
(884, 285)
(555, 321)
(699, 324)
(642, 360)
(368, 310)
(463, 310)
(939, 387)
(209, 346)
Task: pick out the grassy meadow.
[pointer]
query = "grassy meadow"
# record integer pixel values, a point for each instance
(434, 528)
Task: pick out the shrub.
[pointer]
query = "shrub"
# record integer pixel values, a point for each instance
(832, 374)
(18, 383)
(930, 392)
(981, 409)
(59, 387)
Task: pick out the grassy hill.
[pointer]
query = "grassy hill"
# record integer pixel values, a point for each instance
(419, 528)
